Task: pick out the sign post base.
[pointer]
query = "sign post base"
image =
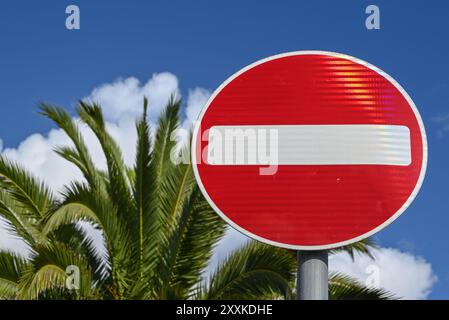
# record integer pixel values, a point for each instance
(312, 275)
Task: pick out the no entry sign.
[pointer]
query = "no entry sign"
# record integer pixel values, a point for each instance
(309, 150)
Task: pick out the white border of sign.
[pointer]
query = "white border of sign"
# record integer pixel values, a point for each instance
(331, 245)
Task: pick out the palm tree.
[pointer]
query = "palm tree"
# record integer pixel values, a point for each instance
(159, 231)
(24, 202)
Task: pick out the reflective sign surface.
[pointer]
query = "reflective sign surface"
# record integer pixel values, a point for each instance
(309, 150)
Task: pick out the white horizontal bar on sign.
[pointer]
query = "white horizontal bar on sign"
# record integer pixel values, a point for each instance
(309, 145)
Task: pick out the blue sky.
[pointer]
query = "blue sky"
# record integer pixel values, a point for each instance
(204, 42)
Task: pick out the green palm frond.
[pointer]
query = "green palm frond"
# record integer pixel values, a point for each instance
(79, 155)
(342, 287)
(68, 213)
(146, 222)
(76, 238)
(39, 281)
(192, 243)
(95, 207)
(118, 187)
(47, 271)
(175, 187)
(82, 203)
(164, 143)
(18, 220)
(164, 196)
(71, 154)
(8, 289)
(12, 267)
(253, 271)
(34, 195)
(364, 247)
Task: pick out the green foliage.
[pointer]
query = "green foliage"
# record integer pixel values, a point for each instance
(33, 195)
(159, 231)
(47, 271)
(18, 219)
(12, 267)
(255, 271)
(363, 247)
(342, 287)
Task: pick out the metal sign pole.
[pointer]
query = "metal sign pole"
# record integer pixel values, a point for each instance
(312, 275)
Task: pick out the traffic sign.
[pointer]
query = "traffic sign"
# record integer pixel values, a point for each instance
(309, 150)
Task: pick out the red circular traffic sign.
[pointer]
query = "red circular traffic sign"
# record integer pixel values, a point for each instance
(309, 150)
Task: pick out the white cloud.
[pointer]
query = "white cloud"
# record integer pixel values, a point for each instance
(402, 273)
(123, 97)
(196, 100)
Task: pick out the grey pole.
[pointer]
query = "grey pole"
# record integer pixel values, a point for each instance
(312, 275)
